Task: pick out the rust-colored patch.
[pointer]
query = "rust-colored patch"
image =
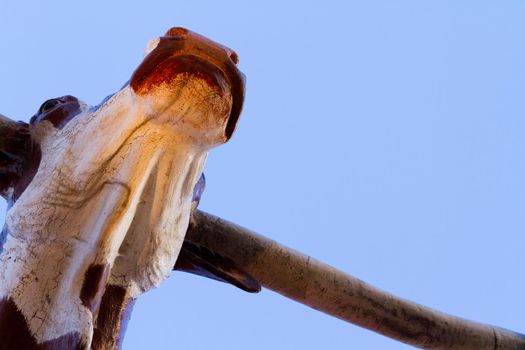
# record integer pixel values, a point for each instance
(113, 316)
(192, 53)
(93, 286)
(15, 333)
(145, 76)
(177, 31)
(153, 73)
(59, 111)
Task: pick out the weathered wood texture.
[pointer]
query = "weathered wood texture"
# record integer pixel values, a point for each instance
(331, 291)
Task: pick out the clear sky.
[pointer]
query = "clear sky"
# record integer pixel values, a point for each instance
(383, 137)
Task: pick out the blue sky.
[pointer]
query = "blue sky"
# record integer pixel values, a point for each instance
(382, 137)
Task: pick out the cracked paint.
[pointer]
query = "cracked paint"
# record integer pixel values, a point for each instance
(114, 189)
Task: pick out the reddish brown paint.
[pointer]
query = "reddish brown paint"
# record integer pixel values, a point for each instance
(15, 141)
(113, 316)
(218, 61)
(67, 108)
(166, 70)
(180, 51)
(32, 162)
(19, 159)
(93, 286)
(15, 333)
(20, 156)
(177, 31)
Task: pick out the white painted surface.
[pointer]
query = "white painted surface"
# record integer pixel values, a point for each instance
(114, 187)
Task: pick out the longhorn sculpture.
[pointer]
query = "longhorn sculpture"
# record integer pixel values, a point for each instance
(100, 199)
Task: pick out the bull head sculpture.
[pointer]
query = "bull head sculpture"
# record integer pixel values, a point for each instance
(99, 198)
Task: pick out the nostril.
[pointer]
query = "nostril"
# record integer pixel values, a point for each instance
(176, 31)
(233, 57)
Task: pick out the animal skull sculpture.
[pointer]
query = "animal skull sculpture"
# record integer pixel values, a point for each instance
(100, 201)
